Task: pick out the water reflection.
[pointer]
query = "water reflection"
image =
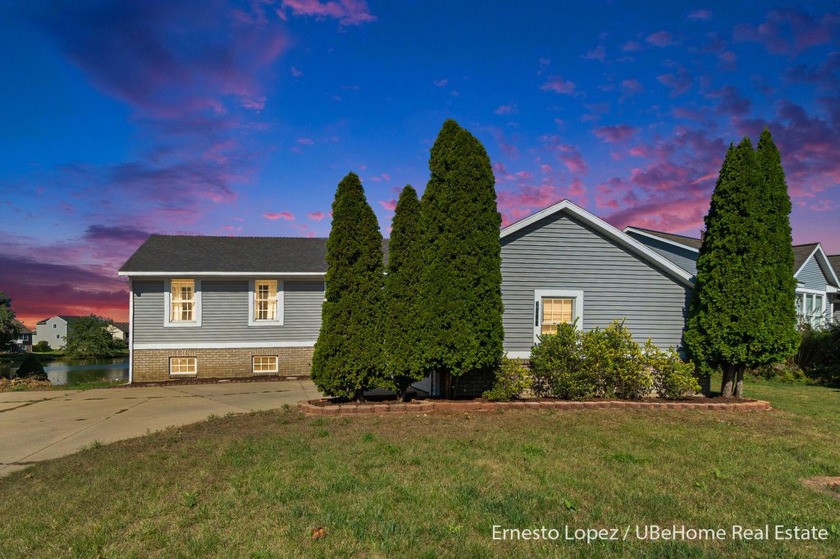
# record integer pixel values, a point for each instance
(74, 371)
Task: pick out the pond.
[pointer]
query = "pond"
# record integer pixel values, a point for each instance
(74, 371)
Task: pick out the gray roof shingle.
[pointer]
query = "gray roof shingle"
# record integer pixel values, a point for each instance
(682, 239)
(835, 263)
(200, 254)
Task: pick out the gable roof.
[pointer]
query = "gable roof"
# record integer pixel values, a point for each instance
(21, 327)
(122, 326)
(691, 243)
(165, 255)
(834, 259)
(803, 253)
(616, 236)
(65, 317)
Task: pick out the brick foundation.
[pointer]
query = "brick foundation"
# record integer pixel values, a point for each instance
(152, 365)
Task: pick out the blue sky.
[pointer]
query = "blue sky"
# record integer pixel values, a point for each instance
(240, 118)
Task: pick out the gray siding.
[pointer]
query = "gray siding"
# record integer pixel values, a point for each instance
(560, 253)
(684, 258)
(224, 314)
(812, 276)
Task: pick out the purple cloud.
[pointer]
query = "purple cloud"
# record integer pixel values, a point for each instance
(731, 102)
(286, 216)
(660, 39)
(699, 15)
(558, 85)
(679, 82)
(599, 53)
(347, 12)
(613, 134)
(790, 31)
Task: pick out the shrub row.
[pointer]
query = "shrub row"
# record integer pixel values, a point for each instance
(606, 363)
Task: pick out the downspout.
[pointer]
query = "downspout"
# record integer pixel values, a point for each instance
(130, 331)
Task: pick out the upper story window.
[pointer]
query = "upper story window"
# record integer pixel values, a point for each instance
(266, 302)
(182, 305)
(182, 299)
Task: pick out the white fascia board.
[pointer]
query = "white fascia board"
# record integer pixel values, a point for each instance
(221, 274)
(608, 230)
(823, 262)
(629, 229)
(221, 345)
(805, 262)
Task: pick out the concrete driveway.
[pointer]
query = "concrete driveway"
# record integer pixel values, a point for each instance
(37, 426)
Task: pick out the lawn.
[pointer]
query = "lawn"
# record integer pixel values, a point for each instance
(257, 485)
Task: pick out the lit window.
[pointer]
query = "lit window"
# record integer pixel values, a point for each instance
(182, 305)
(265, 300)
(265, 364)
(556, 311)
(182, 365)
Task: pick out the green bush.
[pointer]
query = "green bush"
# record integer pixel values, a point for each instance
(672, 377)
(786, 371)
(557, 365)
(819, 353)
(42, 347)
(607, 363)
(31, 368)
(512, 379)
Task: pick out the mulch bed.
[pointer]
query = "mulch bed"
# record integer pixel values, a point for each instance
(332, 407)
(175, 382)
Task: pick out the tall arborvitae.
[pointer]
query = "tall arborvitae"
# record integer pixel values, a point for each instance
(405, 264)
(725, 323)
(461, 282)
(780, 293)
(348, 357)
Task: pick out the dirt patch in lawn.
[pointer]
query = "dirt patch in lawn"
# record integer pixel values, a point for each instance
(826, 485)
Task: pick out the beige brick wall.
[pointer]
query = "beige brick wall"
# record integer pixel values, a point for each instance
(152, 365)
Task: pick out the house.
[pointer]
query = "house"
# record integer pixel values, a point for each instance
(23, 342)
(54, 330)
(816, 275)
(118, 330)
(247, 306)
(835, 264)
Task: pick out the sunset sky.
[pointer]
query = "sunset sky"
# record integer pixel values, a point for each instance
(121, 119)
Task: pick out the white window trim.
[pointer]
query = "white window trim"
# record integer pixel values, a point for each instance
(539, 294)
(167, 302)
(171, 357)
(273, 371)
(280, 304)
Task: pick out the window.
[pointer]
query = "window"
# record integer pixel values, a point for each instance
(183, 365)
(556, 311)
(556, 306)
(265, 303)
(265, 300)
(810, 308)
(182, 307)
(265, 364)
(182, 303)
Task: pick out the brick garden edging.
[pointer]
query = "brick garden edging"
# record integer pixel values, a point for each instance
(425, 406)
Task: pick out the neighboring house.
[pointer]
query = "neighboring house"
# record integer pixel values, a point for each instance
(816, 277)
(23, 342)
(835, 298)
(54, 330)
(244, 306)
(118, 330)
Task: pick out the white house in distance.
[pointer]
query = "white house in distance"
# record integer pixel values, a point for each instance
(54, 330)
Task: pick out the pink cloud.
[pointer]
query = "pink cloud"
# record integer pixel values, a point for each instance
(731, 102)
(632, 46)
(617, 133)
(546, 169)
(506, 110)
(296, 73)
(660, 39)
(598, 53)
(558, 85)
(440, 83)
(700, 15)
(571, 158)
(790, 31)
(543, 63)
(286, 216)
(315, 216)
(631, 87)
(347, 12)
(305, 141)
(389, 205)
(679, 82)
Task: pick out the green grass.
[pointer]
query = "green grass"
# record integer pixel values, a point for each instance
(257, 485)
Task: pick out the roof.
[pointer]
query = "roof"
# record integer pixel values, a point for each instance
(206, 255)
(123, 326)
(835, 262)
(65, 317)
(22, 329)
(801, 253)
(688, 242)
(618, 237)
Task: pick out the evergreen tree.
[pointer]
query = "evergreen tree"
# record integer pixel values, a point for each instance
(780, 286)
(461, 281)
(729, 324)
(348, 355)
(88, 337)
(405, 265)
